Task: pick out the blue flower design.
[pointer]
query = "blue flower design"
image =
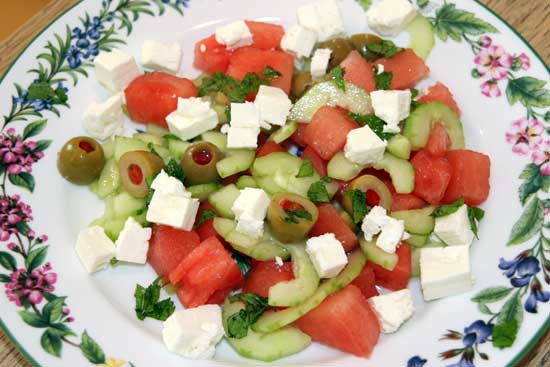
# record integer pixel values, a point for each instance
(537, 295)
(74, 57)
(477, 333)
(416, 361)
(94, 28)
(93, 50)
(22, 98)
(520, 270)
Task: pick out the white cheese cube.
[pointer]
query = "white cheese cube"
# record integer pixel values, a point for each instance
(363, 146)
(194, 332)
(161, 56)
(445, 271)
(299, 41)
(380, 69)
(115, 70)
(242, 137)
(273, 105)
(252, 201)
(454, 229)
(393, 309)
(193, 117)
(279, 261)
(323, 17)
(244, 115)
(172, 210)
(247, 224)
(391, 235)
(373, 222)
(224, 129)
(327, 255)
(132, 243)
(389, 17)
(169, 185)
(105, 119)
(94, 248)
(319, 62)
(234, 35)
(194, 106)
(391, 106)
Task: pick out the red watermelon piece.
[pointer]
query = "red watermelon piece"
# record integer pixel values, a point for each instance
(211, 56)
(440, 93)
(438, 142)
(358, 71)
(398, 278)
(319, 163)
(265, 36)
(407, 69)
(431, 176)
(264, 275)
(330, 221)
(470, 174)
(366, 282)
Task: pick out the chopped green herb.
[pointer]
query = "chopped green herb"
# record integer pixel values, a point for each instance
(415, 104)
(338, 77)
(444, 210)
(243, 262)
(318, 193)
(414, 93)
(113, 261)
(383, 80)
(293, 216)
(326, 179)
(376, 124)
(205, 216)
(306, 169)
(422, 3)
(173, 168)
(171, 137)
(151, 148)
(358, 204)
(475, 215)
(148, 304)
(125, 110)
(238, 323)
(149, 180)
(217, 82)
(270, 73)
(386, 49)
(291, 219)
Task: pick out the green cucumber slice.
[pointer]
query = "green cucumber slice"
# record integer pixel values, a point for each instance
(271, 321)
(223, 200)
(124, 144)
(422, 36)
(216, 138)
(377, 255)
(223, 226)
(401, 172)
(282, 162)
(177, 147)
(399, 146)
(246, 181)
(265, 347)
(163, 152)
(109, 148)
(415, 257)
(419, 124)
(268, 184)
(156, 130)
(293, 292)
(300, 185)
(417, 221)
(203, 191)
(284, 132)
(417, 240)
(109, 179)
(236, 160)
(149, 138)
(341, 168)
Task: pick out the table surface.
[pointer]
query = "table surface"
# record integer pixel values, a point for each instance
(530, 17)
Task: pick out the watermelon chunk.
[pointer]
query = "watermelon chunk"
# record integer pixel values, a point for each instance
(470, 174)
(269, 147)
(440, 93)
(358, 71)
(438, 142)
(168, 246)
(206, 229)
(330, 221)
(211, 56)
(404, 201)
(398, 278)
(265, 36)
(431, 176)
(319, 164)
(366, 282)
(407, 69)
(264, 275)
(299, 134)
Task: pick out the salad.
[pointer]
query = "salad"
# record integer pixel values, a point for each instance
(289, 193)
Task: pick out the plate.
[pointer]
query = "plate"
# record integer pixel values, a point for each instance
(60, 316)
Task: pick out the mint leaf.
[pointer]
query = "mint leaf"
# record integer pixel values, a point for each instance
(504, 334)
(386, 49)
(318, 193)
(306, 169)
(293, 216)
(338, 77)
(113, 261)
(449, 209)
(383, 80)
(270, 73)
(292, 220)
(414, 93)
(173, 168)
(205, 216)
(376, 124)
(148, 304)
(243, 262)
(422, 3)
(475, 215)
(358, 204)
(238, 323)
(365, 4)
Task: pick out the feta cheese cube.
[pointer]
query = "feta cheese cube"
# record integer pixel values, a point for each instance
(234, 35)
(273, 105)
(327, 255)
(363, 146)
(103, 120)
(161, 56)
(391, 235)
(244, 115)
(319, 62)
(193, 117)
(248, 225)
(389, 17)
(194, 332)
(454, 229)
(115, 70)
(380, 68)
(391, 106)
(299, 41)
(94, 248)
(393, 309)
(373, 222)
(323, 17)
(252, 201)
(279, 261)
(173, 210)
(242, 137)
(132, 243)
(445, 271)
(169, 185)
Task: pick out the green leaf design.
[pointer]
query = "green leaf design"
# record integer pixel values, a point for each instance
(532, 182)
(529, 223)
(7, 261)
(512, 310)
(36, 257)
(505, 334)
(34, 128)
(91, 350)
(61, 329)
(454, 23)
(53, 310)
(51, 343)
(483, 308)
(42, 145)
(24, 180)
(490, 295)
(528, 91)
(365, 4)
(4, 278)
(33, 319)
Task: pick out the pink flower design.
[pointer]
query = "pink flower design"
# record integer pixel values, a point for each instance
(30, 287)
(525, 134)
(490, 89)
(493, 62)
(485, 41)
(17, 155)
(13, 212)
(541, 156)
(525, 62)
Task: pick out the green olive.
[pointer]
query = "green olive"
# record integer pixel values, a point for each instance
(135, 167)
(360, 42)
(291, 217)
(367, 183)
(81, 160)
(199, 163)
(340, 50)
(301, 83)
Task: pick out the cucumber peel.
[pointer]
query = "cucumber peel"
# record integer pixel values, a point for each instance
(418, 221)
(400, 170)
(422, 36)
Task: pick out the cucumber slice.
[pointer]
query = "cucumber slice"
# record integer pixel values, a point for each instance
(216, 138)
(415, 257)
(282, 162)
(223, 200)
(268, 184)
(354, 99)
(221, 112)
(420, 122)
(422, 36)
(124, 144)
(417, 240)
(236, 160)
(341, 168)
(265, 347)
(284, 132)
(117, 210)
(417, 221)
(223, 226)
(156, 130)
(109, 179)
(399, 146)
(108, 148)
(300, 185)
(401, 172)
(246, 181)
(177, 147)
(163, 152)
(125, 205)
(149, 138)
(271, 321)
(377, 255)
(293, 292)
(203, 191)
(267, 251)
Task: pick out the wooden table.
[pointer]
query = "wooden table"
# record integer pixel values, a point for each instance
(530, 17)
